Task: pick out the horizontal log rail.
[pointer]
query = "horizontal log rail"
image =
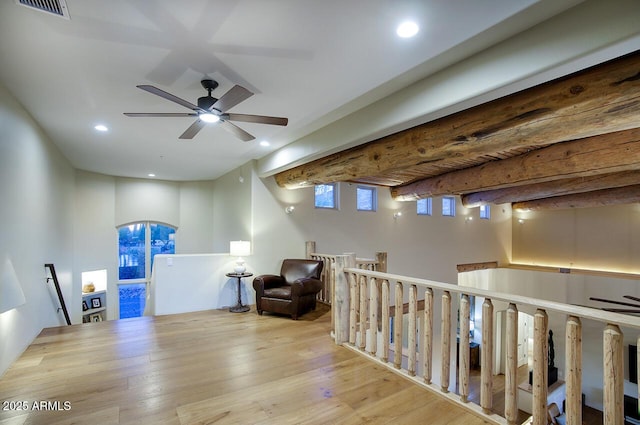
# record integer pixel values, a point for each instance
(358, 293)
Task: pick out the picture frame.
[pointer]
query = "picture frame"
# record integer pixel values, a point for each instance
(96, 303)
(85, 306)
(95, 318)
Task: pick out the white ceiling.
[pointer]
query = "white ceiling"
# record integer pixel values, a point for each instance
(309, 60)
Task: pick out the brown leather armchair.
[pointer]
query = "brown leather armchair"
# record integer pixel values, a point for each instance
(293, 292)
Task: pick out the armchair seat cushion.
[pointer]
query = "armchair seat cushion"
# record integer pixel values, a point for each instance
(281, 293)
(292, 292)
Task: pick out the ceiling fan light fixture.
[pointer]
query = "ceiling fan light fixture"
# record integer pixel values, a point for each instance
(208, 117)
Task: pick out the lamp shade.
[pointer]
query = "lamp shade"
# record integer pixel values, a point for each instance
(11, 295)
(240, 248)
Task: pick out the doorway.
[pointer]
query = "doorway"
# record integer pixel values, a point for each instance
(525, 341)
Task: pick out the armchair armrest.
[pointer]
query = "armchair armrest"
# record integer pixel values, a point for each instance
(267, 281)
(305, 286)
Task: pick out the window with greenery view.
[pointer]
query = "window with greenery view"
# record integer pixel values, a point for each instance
(138, 243)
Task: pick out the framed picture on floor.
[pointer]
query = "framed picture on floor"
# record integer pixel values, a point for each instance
(95, 318)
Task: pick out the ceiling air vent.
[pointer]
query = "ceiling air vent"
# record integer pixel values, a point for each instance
(54, 7)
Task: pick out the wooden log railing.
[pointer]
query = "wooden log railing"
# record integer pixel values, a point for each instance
(326, 294)
(356, 298)
(379, 263)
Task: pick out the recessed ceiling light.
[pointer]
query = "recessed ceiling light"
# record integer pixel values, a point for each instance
(407, 29)
(151, 175)
(265, 143)
(101, 127)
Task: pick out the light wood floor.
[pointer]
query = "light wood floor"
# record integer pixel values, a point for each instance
(211, 367)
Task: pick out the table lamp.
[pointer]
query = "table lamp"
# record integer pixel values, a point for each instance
(239, 249)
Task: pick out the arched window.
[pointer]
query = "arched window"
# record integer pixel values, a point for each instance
(138, 243)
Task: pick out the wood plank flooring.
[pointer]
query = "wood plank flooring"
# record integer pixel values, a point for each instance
(210, 367)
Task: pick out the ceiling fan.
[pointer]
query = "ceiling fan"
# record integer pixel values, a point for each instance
(634, 310)
(211, 110)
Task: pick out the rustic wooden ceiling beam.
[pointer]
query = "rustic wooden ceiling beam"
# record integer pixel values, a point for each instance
(601, 99)
(607, 153)
(552, 188)
(597, 198)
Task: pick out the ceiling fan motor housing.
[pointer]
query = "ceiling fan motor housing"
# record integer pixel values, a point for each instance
(206, 102)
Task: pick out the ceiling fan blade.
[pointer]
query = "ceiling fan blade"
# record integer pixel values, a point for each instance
(622, 310)
(231, 98)
(193, 129)
(614, 302)
(169, 96)
(629, 297)
(237, 131)
(160, 114)
(260, 119)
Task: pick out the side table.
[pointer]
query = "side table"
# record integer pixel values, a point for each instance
(239, 308)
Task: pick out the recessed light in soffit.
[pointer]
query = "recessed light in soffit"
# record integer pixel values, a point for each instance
(407, 29)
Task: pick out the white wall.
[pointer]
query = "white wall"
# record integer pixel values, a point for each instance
(276, 234)
(603, 238)
(195, 282)
(232, 208)
(196, 232)
(95, 237)
(153, 200)
(36, 215)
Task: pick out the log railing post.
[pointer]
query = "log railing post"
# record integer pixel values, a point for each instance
(309, 248)
(573, 364)
(331, 276)
(486, 357)
(381, 262)
(464, 353)
(397, 326)
(540, 367)
(364, 312)
(427, 331)
(613, 377)
(446, 341)
(380, 265)
(354, 306)
(385, 320)
(412, 330)
(341, 307)
(373, 315)
(511, 369)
